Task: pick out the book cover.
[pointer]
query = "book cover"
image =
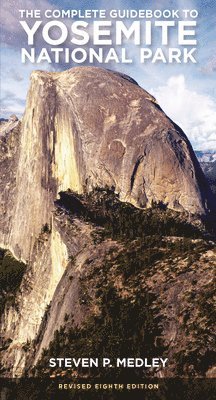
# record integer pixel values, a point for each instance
(107, 199)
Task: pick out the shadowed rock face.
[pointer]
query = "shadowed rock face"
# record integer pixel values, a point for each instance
(82, 128)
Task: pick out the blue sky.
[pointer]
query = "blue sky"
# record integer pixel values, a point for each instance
(186, 92)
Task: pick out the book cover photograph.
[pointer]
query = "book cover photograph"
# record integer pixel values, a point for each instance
(107, 200)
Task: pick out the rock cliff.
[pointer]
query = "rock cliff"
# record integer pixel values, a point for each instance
(82, 128)
(89, 127)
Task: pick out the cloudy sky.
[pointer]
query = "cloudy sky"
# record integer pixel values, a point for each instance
(186, 92)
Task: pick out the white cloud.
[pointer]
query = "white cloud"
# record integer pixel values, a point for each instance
(195, 113)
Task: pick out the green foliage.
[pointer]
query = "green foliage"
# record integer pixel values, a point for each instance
(45, 229)
(11, 273)
(123, 316)
(123, 327)
(200, 354)
(124, 221)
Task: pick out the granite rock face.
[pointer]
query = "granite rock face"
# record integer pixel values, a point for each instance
(82, 128)
(107, 131)
(89, 127)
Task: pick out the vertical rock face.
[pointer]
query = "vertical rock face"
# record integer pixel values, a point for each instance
(88, 127)
(21, 320)
(82, 128)
(43, 167)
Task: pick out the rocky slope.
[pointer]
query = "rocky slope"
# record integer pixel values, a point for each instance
(209, 169)
(206, 156)
(83, 128)
(124, 271)
(207, 160)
